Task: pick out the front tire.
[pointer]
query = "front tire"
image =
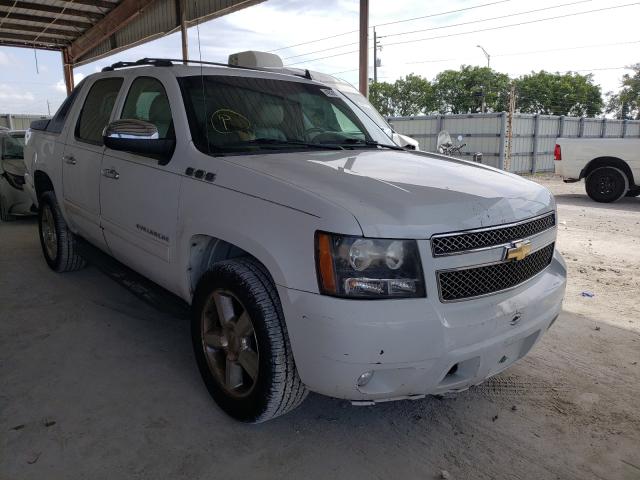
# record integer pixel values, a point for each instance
(5, 216)
(57, 241)
(241, 343)
(606, 184)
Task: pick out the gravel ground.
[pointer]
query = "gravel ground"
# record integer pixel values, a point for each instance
(601, 244)
(94, 383)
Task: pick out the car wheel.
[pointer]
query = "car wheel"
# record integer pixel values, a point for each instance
(5, 216)
(241, 342)
(606, 184)
(57, 241)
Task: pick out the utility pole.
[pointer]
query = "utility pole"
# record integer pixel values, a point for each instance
(512, 109)
(48, 107)
(363, 65)
(484, 94)
(375, 56)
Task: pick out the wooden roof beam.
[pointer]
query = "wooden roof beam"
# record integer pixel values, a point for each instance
(94, 16)
(48, 20)
(31, 39)
(31, 28)
(120, 16)
(10, 43)
(95, 3)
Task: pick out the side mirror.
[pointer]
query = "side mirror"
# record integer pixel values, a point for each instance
(138, 136)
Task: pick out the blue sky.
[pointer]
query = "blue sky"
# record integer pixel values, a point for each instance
(586, 39)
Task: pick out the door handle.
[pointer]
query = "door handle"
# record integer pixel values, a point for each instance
(69, 160)
(110, 173)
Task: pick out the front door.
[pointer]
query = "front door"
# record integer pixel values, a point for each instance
(139, 194)
(82, 160)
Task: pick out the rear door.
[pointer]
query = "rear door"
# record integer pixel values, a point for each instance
(139, 198)
(82, 159)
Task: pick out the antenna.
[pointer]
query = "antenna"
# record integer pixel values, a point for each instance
(204, 98)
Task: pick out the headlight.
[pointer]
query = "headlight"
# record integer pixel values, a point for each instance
(368, 267)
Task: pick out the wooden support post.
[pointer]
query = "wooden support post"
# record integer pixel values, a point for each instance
(182, 17)
(509, 140)
(364, 48)
(67, 70)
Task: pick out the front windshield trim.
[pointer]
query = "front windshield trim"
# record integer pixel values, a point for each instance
(203, 95)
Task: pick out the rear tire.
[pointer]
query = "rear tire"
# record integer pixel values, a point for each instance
(58, 242)
(606, 184)
(241, 343)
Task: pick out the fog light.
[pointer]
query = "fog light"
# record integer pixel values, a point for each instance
(365, 378)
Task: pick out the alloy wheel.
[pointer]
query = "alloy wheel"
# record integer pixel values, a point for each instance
(229, 343)
(49, 236)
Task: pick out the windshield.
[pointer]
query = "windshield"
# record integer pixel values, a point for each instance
(13, 146)
(245, 114)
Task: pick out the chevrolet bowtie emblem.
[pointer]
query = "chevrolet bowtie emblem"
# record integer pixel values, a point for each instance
(518, 250)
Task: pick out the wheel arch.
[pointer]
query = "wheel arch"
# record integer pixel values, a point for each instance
(42, 183)
(207, 250)
(608, 162)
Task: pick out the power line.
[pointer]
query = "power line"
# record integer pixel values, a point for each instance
(557, 17)
(530, 52)
(566, 48)
(445, 26)
(485, 19)
(392, 23)
(528, 22)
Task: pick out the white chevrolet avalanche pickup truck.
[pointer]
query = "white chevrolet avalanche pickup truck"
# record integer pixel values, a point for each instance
(315, 253)
(610, 166)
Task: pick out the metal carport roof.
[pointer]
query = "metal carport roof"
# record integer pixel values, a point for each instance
(85, 30)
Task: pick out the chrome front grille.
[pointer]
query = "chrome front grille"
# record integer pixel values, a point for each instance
(465, 283)
(452, 243)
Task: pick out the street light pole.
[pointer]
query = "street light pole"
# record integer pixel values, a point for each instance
(486, 54)
(484, 97)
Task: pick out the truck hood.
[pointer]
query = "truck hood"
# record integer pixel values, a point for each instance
(407, 194)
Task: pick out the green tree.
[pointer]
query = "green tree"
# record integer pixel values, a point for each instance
(558, 94)
(626, 103)
(407, 96)
(380, 95)
(461, 91)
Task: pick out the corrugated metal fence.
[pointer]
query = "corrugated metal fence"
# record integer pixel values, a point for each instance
(18, 122)
(533, 138)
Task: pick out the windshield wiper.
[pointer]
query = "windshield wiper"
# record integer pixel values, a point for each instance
(371, 143)
(275, 141)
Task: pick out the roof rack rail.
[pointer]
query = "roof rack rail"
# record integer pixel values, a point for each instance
(168, 62)
(156, 62)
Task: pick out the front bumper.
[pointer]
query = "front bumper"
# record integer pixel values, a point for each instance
(419, 346)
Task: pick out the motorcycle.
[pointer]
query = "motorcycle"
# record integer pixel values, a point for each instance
(446, 147)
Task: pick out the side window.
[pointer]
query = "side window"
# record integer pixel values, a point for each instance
(147, 100)
(346, 125)
(97, 110)
(57, 122)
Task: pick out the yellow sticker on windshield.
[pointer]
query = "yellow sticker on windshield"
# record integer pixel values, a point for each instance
(229, 121)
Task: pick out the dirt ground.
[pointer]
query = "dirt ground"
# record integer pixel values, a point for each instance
(96, 384)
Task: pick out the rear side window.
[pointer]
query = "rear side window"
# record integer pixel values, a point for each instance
(96, 110)
(147, 100)
(57, 122)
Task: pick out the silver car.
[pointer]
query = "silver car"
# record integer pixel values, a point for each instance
(14, 200)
